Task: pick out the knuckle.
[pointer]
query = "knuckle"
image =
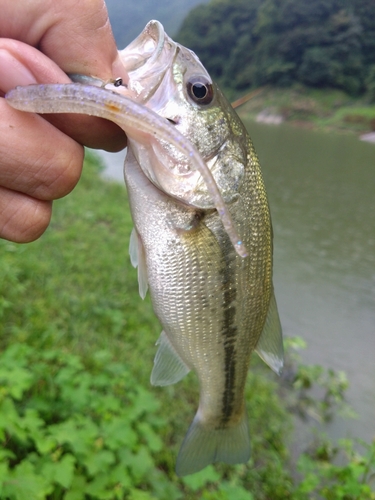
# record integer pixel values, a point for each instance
(66, 175)
(24, 219)
(37, 221)
(59, 175)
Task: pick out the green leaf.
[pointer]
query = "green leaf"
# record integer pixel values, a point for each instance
(234, 491)
(61, 472)
(99, 461)
(145, 402)
(77, 489)
(4, 476)
(10, 421)
(24, 484)
(201, 478)
(117, 433)
(16, 379)
(120, 475)
(32, 421)
(100, 488)
(44, 443)
(163, 487)
(140, 495)
(153, 441)
(79, 432)
(139, 463)
(4, 454)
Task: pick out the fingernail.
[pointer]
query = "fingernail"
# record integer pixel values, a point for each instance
(13, 72)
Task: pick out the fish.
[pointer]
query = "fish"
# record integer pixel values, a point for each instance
(202, 238)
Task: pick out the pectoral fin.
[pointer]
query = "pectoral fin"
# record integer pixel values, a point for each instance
(138, 259)
(168, 366)
(270, 344)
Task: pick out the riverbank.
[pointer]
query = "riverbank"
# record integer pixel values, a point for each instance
(326, 110)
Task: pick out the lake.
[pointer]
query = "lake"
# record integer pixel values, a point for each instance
(321, 190)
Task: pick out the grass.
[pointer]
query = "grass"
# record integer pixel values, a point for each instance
(326, 109)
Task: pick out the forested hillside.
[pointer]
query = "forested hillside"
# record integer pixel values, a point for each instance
(319, 43)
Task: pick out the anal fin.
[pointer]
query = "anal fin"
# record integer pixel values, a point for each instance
(270, 344)
(168, 366)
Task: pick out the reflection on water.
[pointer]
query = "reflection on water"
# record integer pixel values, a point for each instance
(321, 189)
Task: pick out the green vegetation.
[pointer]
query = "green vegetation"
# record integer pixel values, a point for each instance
(251, 43)
(328, 109)
(78, 418)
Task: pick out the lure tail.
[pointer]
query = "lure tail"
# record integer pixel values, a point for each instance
(203, 446)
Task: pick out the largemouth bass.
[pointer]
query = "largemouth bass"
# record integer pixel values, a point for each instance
(199, 206)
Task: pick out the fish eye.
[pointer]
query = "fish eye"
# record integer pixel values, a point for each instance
(200, 90)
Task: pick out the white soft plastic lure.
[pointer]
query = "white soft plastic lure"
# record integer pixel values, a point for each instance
(132, 117)
(198, 202)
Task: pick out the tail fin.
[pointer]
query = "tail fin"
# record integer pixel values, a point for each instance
(203, 446)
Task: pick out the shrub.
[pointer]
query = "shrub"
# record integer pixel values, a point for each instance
(73, 431)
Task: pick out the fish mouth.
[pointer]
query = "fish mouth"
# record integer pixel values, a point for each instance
(146, 48)
(146, 59)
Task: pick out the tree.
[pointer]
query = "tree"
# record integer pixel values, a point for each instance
(247, 43)
(214, 32)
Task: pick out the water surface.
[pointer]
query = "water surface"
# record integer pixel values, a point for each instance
(321, 189)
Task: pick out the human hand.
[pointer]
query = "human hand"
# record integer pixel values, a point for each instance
(41, 157)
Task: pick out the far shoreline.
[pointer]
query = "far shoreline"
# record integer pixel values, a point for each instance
(315, 109)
